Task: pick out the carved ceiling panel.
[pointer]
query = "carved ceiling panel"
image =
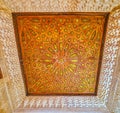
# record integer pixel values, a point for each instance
(60, 53)
(107, 94)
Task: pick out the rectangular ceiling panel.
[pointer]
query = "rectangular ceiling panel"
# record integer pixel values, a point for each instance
(60, 53)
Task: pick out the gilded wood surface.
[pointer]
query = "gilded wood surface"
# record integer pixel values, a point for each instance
(60, 53)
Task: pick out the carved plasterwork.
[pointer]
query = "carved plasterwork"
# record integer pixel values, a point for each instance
(16, 86)
(61, 5)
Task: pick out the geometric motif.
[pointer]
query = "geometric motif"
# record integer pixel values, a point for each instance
(60, 53)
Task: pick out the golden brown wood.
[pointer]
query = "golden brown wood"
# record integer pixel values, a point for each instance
(1, 76)
(55, 51)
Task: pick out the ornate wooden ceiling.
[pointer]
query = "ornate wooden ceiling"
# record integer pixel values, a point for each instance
(60, 53)
(1, 76)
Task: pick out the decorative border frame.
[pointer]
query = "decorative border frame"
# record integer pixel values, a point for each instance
(1, 76)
